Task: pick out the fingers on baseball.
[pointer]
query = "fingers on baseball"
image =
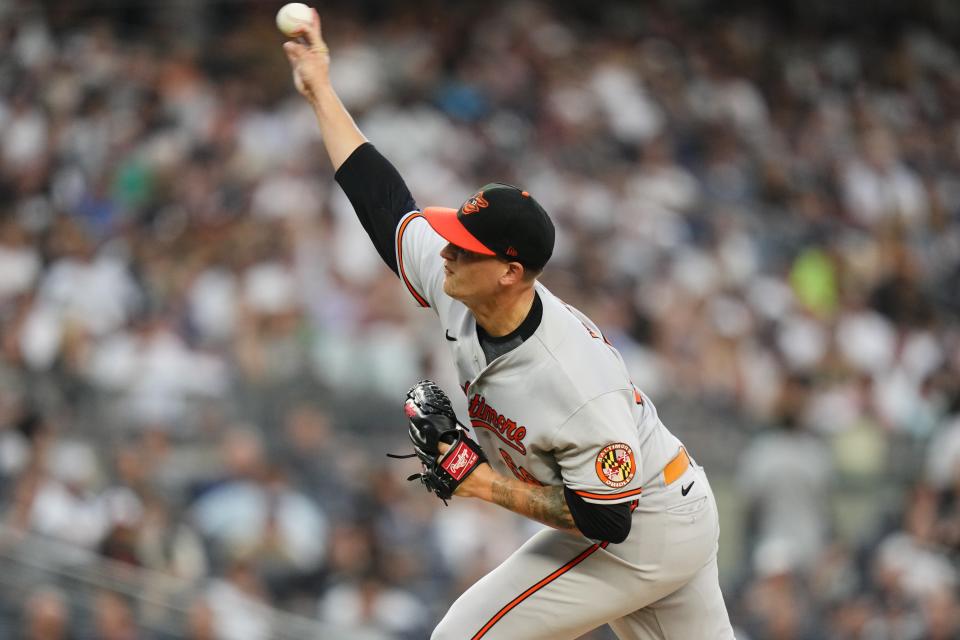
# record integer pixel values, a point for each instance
(310, 34)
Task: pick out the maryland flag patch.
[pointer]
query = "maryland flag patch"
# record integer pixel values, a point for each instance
(615, 465)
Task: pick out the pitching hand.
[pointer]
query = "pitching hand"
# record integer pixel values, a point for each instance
(310, 59)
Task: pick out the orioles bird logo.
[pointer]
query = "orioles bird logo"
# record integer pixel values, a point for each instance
(474, 204)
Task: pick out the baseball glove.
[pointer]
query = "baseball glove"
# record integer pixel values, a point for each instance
(430, 421)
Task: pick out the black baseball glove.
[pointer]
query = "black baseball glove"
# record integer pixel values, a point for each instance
(431, 420)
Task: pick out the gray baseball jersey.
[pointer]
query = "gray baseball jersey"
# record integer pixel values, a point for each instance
(560, 409)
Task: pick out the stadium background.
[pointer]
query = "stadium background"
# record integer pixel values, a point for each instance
(201, 359)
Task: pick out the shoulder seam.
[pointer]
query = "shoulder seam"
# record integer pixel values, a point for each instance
(580, 408)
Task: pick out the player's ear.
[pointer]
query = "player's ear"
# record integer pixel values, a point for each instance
(513, 273)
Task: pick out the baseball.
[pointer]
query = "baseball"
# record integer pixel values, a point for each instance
(292, 16)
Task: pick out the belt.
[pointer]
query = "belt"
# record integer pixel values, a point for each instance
(676, 467)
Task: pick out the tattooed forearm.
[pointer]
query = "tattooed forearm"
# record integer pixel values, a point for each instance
(544, 504)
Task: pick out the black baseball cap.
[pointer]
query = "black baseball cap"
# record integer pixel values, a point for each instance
(498, 220)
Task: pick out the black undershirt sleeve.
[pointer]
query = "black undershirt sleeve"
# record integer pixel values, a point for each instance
(378, 195)
(608, 522)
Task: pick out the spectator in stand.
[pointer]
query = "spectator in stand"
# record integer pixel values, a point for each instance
(785, 479)
(253, 514)
(47, 616)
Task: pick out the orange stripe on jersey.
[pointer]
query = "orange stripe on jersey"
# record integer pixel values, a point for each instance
(403, 274)
(540, 585)
(609, 496)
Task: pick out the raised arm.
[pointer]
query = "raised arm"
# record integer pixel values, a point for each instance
(374, 187)
(310, 60)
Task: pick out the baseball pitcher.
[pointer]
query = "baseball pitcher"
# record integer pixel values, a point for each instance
(562, 434)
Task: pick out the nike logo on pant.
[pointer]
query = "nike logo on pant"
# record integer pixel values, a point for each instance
(685, 490)
(449, 337)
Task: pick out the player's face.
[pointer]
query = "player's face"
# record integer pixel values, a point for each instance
(470, 276)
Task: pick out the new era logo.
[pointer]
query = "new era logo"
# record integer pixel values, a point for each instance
(460, 461)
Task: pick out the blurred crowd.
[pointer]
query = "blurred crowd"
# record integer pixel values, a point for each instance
(201, 357)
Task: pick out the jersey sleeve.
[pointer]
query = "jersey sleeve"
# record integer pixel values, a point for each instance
(598, 450)
(379, 196)
(418, 258)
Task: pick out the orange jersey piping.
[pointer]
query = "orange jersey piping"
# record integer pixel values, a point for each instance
(609, 496)
(403, 273)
